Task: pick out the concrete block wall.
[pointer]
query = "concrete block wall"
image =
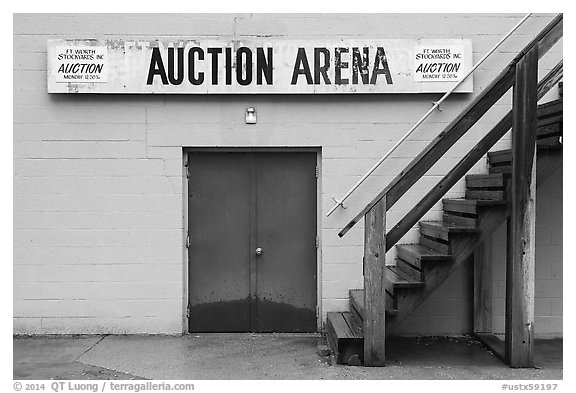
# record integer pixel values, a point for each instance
(98, 179)
(548, 315)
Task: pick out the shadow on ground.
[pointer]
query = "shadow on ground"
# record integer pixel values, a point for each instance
(263, 356)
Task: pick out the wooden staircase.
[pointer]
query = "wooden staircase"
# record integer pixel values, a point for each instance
(444, 245)
(391, 293)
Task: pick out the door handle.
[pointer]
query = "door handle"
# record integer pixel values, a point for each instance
(259, 251)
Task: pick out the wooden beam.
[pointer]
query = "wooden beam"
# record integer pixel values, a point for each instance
(459, 126)
(374, 296)
(483, 287)
(522, 224)
(493, 343)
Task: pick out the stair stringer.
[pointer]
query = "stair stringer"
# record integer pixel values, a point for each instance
(489, 220)
(437, 273)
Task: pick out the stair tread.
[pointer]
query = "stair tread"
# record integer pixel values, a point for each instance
(499, 153)
(505, 152)
(345, 337)
(551, 108)
(340, 321)
(399, 279)
(493, 177)
(422, 252)
(449, 227)
(475, 202)
(486, 175)
(357, 301)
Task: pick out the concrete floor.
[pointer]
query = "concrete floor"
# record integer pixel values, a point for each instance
(57, 358)
(255, 356)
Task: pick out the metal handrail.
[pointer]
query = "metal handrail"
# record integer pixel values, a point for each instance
(340, 202)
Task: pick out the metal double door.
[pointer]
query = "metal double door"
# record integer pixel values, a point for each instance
(252, 241)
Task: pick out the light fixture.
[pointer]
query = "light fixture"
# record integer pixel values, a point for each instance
(250, 115)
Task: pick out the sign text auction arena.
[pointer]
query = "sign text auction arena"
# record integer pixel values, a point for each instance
(262, 64)
(259, 66)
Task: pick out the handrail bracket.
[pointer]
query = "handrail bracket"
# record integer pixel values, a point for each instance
(437, 105)
(338, 202)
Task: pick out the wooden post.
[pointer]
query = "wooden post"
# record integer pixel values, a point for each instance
(374, 295)
(521, 228)
(483, 287)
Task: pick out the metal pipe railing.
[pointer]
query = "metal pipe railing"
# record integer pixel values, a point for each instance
(340, 202)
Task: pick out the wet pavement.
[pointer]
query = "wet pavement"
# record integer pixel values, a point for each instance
(56, 357)
(263, 356)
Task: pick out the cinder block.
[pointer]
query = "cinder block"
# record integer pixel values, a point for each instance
(414, 325)
(25, 80)
(459, 284)
(98, 220)
(498, 324)
(119, 24)
(342, 271)
(548, 288)
(75, 132)
(171, 308)
(499, 237)
(550, 217)
(79, 149)
(554, 184)
(339, 289)
(29, 61)
(171, 153)
(556, 236)
(542, 307)
(139, 290)
(543, 235)
(49, 290)
(330, 238)
(330, 304)
(65, 238)
(99, 203)
(444, 306)
(498, 306)
(499, 263)
(29, 43)
(556, 307)
(340, 152)
(78, 255)
(121, 273)
(26, 326)
(548, 254)
(499, 288)
(345, 254)
(80, 115)
(130, 325)
(99, 185)
(88, 167)
(543, 270)
(449, 325)
(556, 271)
(548, 325)
(25, 273)
(37, 308)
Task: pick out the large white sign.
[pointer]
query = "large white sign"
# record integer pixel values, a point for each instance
(259, 66)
